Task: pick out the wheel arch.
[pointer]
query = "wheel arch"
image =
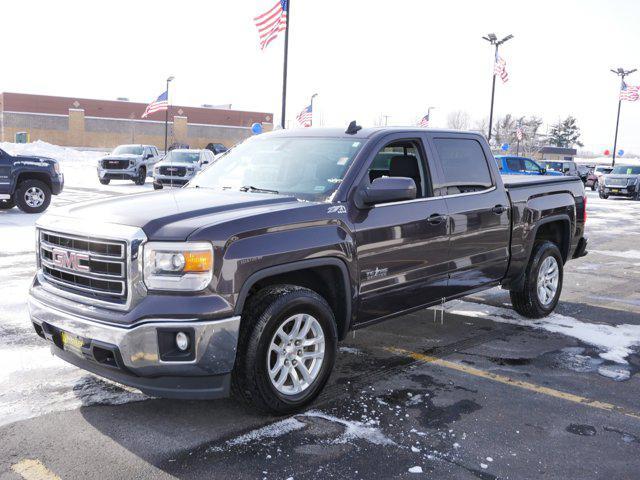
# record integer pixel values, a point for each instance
(327, 276)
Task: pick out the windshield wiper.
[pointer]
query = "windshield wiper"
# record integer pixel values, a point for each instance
(251, 188)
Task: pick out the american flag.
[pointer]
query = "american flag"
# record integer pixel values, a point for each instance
(500, 69)
(158, 105)
(519, 133)
(629, 93)
(305, 117)
(424, 121)
(271, 22)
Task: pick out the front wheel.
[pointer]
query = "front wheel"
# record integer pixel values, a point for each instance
(594, 186)
(604, 196)
(286, 350)
(33, 196)
(142, 176)
(542, 284)
(104, 181)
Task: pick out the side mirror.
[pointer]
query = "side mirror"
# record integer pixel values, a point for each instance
(386, 189)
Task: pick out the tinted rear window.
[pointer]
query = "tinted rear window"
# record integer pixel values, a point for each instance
(464, 165)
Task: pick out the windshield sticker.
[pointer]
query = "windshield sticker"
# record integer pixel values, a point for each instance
(355, 144)
(319, 188)
(334, 180)
(337, 209)
(343, 160)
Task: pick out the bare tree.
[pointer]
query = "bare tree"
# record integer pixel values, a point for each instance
(458, 120)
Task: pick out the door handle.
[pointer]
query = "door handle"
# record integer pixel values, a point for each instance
(436, 219)
(499, 209)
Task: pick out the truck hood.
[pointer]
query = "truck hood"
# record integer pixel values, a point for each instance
(173, 215)
(39, 160)
(164, 163)
(127, 156)
(620, 177)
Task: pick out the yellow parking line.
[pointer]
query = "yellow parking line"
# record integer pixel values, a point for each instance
(33, 470)
(516, 383)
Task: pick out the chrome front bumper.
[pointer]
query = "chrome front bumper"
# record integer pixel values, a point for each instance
(133, 356)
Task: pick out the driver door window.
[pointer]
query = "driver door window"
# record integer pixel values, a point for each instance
(401, 159)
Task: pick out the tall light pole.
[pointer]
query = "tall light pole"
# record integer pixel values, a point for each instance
(493, 40)
(621, 72)
(312, 97)
(166, 114)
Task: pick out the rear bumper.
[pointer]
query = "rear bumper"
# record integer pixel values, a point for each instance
(143, 356)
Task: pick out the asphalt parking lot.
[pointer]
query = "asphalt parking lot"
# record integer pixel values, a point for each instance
(474, 391)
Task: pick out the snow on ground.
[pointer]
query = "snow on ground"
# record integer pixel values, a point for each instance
(614, 341)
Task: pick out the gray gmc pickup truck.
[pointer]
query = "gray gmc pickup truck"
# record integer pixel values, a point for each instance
(245, 280)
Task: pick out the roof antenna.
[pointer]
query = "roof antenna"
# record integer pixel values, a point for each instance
(353, 128)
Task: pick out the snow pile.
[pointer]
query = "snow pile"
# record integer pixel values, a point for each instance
(615, 341)
(354, 430)
(274, 430)
(44, 149)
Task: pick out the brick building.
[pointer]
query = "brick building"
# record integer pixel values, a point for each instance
(82, 122)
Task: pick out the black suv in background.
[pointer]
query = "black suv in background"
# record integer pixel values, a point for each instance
(28, 182)
(216, 148)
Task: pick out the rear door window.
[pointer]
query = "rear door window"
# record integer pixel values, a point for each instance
(515, 164)
(464, 165)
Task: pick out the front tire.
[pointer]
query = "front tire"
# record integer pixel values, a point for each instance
(594, 186)
(287, 348)
(543, 282)
(104, 181)
(7, 204)
(142, 176)
(603, 196)
(33, 196)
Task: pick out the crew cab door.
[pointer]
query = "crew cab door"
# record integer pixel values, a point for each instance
(6, 164)
(479, 211)
(402, 247)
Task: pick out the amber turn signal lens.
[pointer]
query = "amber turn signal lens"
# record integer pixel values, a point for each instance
(197, 261)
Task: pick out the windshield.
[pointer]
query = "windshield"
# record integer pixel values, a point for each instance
(307, 168)
(127, 150)
(187, 157)
(622, 170)
(603, 169)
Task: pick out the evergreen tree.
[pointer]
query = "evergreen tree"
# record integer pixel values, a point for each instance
(565, 133)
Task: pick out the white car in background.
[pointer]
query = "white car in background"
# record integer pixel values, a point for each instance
(179, 166)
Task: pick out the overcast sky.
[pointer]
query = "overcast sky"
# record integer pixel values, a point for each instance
(364, 58)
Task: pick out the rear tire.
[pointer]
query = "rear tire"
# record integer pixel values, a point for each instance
(32, 196)
(265, 357)
(157, 186)
(142, 176)
(604, 196)
(105, 181)
(7, 204)
(542, 285)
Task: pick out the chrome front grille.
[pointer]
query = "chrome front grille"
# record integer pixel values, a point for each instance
(95, 268)
(616, 182)
(173, 171)
(115, 164)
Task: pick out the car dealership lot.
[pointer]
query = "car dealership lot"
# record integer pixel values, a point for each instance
(471, 392)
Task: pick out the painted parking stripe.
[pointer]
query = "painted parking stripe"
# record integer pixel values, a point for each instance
(551, 392)
(33, 470)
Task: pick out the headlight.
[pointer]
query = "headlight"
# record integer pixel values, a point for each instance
(56, 168)
(132, 163)
(631, 181)
(178, 266)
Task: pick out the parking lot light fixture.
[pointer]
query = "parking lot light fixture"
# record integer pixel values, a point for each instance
(493, 40)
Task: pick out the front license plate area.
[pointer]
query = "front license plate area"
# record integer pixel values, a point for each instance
(615, 190)
(73, 343)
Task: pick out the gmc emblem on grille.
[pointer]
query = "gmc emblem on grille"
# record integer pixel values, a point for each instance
(70, 260)
(172, 169)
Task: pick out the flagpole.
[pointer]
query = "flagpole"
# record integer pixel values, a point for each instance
(166, 116)
(493, 40)
(284, 70)
(621, 72)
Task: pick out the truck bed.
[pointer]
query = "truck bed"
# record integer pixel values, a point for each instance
(519, 181)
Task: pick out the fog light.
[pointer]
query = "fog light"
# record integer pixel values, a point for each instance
(182, 341)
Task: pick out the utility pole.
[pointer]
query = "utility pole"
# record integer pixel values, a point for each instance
(287, 6)
(166, 115)
(312, 97)
(386, 119)
(493, 40)
(621, 72)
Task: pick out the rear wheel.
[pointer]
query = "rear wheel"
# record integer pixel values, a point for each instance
(33, 196)
(7, 204)
(543, 282)
(594, 186)
(604, 196)
(288, 342)
(142, 176)
(157, 186)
